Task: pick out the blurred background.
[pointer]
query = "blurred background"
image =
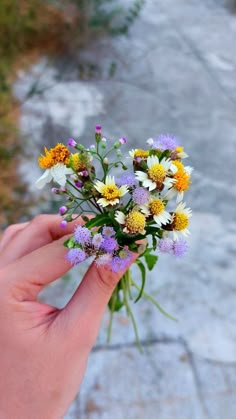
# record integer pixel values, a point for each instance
(139, 68)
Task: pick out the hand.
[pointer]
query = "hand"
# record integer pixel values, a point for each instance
(44, 350)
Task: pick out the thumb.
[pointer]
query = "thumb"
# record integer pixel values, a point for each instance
(91, 298)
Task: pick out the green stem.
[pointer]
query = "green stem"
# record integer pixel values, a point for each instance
(113, 303)
(148, 297)
(129, 312)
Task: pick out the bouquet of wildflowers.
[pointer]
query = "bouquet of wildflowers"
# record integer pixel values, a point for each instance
(139, 210)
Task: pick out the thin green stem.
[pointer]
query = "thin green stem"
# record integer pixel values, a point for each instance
(148, 297)
(129, 311)
(112, 308)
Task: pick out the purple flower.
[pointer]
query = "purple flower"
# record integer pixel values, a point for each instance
(97, 240)
(71, 142)
(141, 196)
(82, 235)
(103, 259)
(98, 129)
(63, 210)
(76, 256)
(122, 140)
(165, 142)
(180, 248)
(63, 224)
(55, 191)
(109, 244)
(127, 179)
(108, 231)
(165, 245)
(78, 184)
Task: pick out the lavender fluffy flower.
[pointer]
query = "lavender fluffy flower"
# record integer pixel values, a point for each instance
(165, 142)
(109, 244)
(117, 264)
(97, 240)
(82, 235)
(165, 245)
(127, 179)
(108, 231)
(180, 248)
(76, 256)
(141, 196)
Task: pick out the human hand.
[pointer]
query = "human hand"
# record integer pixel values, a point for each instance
(44, 350)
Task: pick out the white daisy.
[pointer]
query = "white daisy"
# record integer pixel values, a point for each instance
(156, 208)
(181, 182)
(111, 194)
(58, 173)
(157, 173)
(180, 220)
(134, 222)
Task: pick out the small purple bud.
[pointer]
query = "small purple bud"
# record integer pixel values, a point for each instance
(78, 184)
(98, 129)
(122, 140)
(104, 139)
(71, 142)
(84, 173)
(62, 210)
(63, 224)
(63, 189)
(55, 190)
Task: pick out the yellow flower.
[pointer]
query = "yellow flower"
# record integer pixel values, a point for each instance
(156, 208)
(110, 192)
(180, 220)
(181, 181)
(138, 153)
(54, 161)
(58, 154)
(157, 173)
(134, 222)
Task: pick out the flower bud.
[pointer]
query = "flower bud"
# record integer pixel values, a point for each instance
(55, 191)
(71, 142)
(116, 144)
(78, 184)
(122, 140)
(105, 161)
(118, 153)
(63, 223)
(62, 210)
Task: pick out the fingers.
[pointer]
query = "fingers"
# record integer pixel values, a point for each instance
(28, 275)
(11, 232)
(42, 230)
(89, 302)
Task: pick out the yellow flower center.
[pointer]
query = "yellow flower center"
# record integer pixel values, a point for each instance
(110, 192)
(77, 163)
(181, 221)
(143, 154)
(57, 154)
(179, 149)
(178, 164)
(135, 222)
(182, 181)
(156, 206)
(157, 173)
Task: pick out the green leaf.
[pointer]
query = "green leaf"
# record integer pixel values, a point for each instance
(99, 220)
(150, 260)
(70, 243)
(143, 276)
(154, 242)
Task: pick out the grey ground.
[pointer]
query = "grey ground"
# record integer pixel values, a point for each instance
(175, 73)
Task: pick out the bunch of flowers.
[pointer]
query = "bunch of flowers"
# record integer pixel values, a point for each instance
(140, 210)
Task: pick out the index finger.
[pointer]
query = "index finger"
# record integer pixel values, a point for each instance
(41, 231)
